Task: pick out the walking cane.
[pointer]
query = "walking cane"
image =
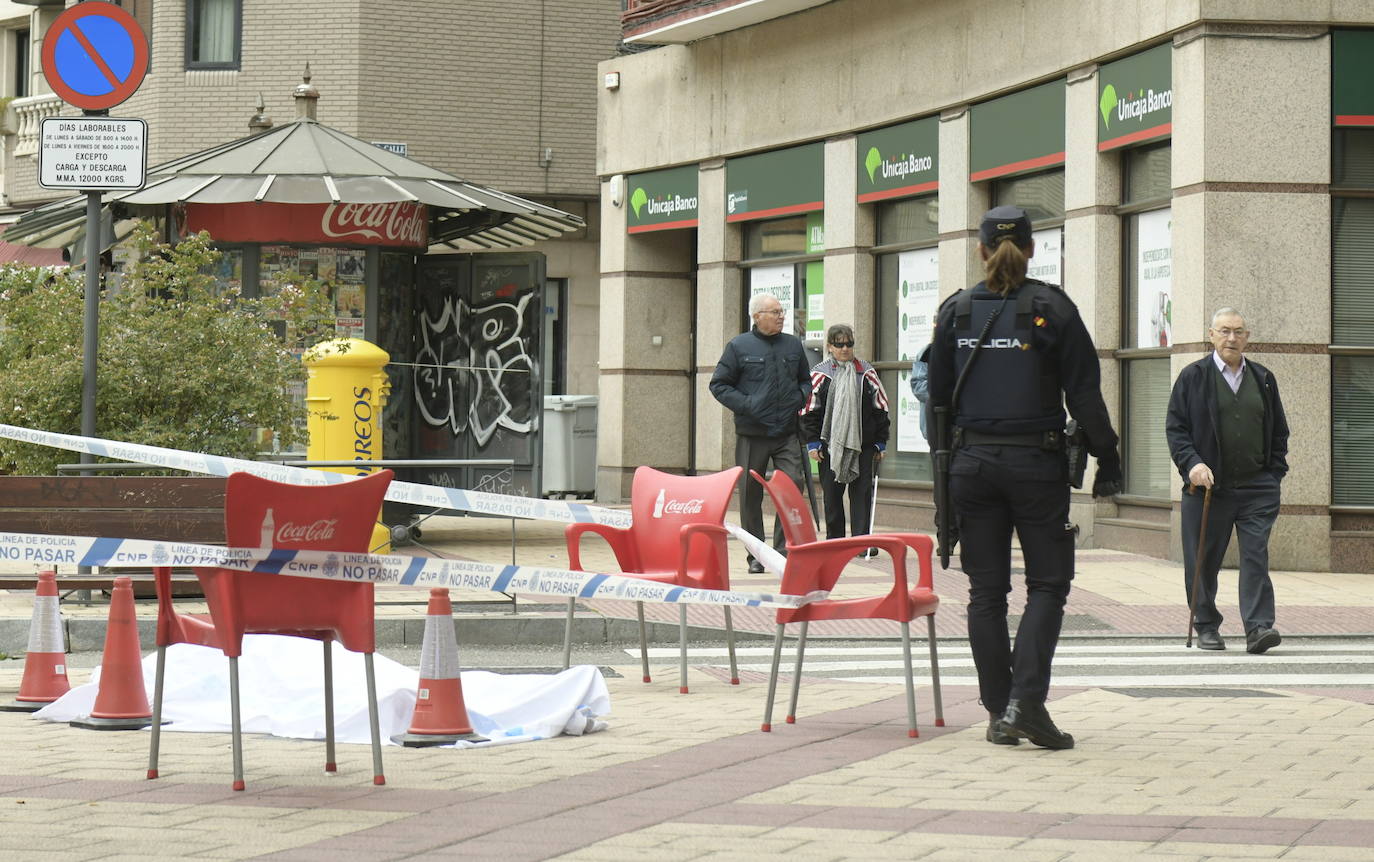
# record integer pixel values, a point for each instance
(1198, 560)
(810, 487)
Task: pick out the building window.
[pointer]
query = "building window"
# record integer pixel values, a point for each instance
(908, 261)
(213, 34)
(1352, 318)
(1042, 197)
(783, 257)
(21, 63)
(1147, 318)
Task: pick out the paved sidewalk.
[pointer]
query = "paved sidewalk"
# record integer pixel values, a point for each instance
(1245, 774)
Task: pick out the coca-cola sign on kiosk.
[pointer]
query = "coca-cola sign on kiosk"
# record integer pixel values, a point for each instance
(401, 224)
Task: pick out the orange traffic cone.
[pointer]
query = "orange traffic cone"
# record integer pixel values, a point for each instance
(121, 703)
(440, 715)
(45, 665)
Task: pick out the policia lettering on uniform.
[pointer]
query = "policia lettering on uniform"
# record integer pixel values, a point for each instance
(1009, 354)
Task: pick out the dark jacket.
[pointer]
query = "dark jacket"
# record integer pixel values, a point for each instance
(1191, 423)
(763, 380)
(873, 416)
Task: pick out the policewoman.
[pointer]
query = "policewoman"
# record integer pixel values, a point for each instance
(1008, 355)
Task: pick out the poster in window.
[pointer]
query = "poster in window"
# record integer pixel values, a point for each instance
(351, 265)
(1154, 279)
(917, 299)
(1047, 262)
(779, 281)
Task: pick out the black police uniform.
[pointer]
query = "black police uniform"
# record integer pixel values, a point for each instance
(1009, 470)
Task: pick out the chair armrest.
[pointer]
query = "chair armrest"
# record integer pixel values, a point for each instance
(817, 566)
(715, 535)
(617, 537)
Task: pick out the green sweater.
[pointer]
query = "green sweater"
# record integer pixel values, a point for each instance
(1240, 429)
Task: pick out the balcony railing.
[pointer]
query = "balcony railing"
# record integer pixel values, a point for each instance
(29, 113)
(676, 21)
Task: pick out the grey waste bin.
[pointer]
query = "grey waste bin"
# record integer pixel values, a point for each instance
(570, 444)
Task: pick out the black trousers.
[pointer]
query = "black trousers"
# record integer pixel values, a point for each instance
(995, 490)
(1252, 509)
(860, 497)
(757, 453)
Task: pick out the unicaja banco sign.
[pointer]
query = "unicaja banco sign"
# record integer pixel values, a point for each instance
(662, 200)
(898, 161)
(1135, 99)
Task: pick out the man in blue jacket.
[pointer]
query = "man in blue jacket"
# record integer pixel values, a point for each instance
(1227, 431)
(763, 378)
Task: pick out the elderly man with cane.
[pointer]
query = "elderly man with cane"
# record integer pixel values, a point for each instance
(1228, 434)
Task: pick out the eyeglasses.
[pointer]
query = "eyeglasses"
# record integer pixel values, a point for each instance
(1227, 333)
(842, 345)
(777, 313)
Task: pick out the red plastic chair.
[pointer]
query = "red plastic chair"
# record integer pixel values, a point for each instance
(260, 513)
(816, 565)
(677, 536)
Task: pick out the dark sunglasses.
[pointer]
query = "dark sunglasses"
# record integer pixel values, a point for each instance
(841, 344)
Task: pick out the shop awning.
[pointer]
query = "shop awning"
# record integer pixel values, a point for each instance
(303, 162)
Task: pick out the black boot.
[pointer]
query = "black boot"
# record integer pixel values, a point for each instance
(996, 735)
(1030, 719)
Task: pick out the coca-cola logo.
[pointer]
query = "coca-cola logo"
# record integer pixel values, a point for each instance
(295, 534)
(683, 507)
(403, 222)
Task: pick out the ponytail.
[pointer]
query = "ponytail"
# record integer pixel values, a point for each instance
(1005, 267)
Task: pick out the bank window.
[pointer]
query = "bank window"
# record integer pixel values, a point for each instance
(213, 33)
(1147, 318)
(1352, 318)
(908, 288)
(1042, 197)
(784, 258)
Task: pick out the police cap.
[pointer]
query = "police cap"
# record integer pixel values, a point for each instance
(1005, 222)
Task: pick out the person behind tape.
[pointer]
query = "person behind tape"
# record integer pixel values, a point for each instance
(1227, 431)
(762, 378)
(845, 423)
(1009, 469)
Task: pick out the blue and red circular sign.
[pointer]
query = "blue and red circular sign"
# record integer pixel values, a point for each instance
(95, 55)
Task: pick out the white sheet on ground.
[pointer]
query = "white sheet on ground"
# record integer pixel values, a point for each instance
(281, 691)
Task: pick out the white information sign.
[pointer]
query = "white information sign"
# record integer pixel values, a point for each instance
(778, 281)
(92, 153)
(1047, 264)
(917, 300)
(1154, 279)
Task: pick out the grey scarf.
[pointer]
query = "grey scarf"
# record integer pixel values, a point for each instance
(841, 429)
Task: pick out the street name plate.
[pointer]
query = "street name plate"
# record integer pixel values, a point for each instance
(92, 153)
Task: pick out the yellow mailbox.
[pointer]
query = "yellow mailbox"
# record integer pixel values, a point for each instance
(345, 391)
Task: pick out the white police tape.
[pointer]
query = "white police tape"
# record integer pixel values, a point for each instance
(374, 568)
(431, 496)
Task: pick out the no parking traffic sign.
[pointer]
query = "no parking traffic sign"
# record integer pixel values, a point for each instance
(95, 55)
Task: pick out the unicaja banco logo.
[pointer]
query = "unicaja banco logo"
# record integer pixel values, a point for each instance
(638, 198)
(895, 166)
(1134, 106)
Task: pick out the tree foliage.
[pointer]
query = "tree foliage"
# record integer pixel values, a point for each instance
(180, 363)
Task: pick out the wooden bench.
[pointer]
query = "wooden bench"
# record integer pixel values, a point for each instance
(170, 508)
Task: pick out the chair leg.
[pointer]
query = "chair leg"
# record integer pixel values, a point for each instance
(682, 648)
(643, 641)
(374, 723)
(330, 761)
(910, 682)
(235, 725)
(155, 740)
(567, 634)
(772, 681)
(796, 673)
(730, 646)
(935, 674)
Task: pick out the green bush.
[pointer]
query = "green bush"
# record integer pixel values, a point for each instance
(180, 364)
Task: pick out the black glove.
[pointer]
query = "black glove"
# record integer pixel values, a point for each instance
(1107, 482)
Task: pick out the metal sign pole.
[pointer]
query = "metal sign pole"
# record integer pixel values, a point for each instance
(91, 327)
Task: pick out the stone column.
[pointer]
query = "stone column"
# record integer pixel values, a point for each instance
(645, 350)
(849, 273)
(720, 296)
